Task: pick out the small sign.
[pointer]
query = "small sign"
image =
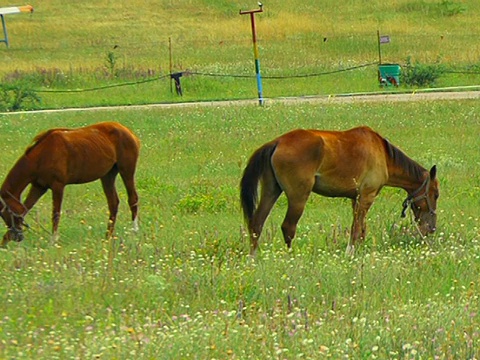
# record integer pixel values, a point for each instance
(384, 39)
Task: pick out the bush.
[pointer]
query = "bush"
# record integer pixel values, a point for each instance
(17, 97)
(443, 8)
(419, 74)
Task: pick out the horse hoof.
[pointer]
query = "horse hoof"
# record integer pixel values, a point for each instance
(135, 227)
(350, 251)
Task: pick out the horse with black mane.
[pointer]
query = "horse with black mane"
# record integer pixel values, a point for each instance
(61, 156)
(354, 164)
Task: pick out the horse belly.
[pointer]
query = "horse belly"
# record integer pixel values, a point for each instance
(335, 187)
(88, 171)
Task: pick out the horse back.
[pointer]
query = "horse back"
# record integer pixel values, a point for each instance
(332, 163)
(83, 154)
(104, 133)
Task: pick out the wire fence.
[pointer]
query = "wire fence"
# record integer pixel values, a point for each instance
(205, 74)
(229, 75)
(294, 57)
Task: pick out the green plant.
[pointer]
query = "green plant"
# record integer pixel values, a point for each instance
(450, 8)
(17, 97)
(111, 63)
(416, 74)
(441, 9)
(210, 202)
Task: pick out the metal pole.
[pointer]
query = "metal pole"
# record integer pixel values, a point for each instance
(171, 61)
(4, 31)
(379, 50)
(255, 50)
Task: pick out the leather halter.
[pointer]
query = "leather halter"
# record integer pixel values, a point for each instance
(414, 197)
(13, 215)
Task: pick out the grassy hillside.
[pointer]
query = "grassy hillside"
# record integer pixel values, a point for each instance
(78, 34)
(65, 46)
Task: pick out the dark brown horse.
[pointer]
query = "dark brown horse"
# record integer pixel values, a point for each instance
(59, 157)
(354, 164)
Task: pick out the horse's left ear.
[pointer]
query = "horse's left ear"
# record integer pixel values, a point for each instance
(433, 172)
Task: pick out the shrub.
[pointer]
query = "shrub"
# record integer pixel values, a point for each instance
(17, 97)
(419, 74)
(443, 8)
(450, 8)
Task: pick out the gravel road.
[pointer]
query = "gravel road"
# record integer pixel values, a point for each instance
(342, 98)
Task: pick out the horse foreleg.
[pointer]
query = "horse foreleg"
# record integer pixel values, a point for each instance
(5, 240)
(108, 184)
(57, 198)
(35, 193)
(360, 206)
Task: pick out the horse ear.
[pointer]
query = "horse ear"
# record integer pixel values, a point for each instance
(433, 172)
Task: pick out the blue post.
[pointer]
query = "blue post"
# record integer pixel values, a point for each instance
(5, 40)
(255, 50)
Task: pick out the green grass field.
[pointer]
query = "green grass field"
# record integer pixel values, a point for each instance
(184, 286)
(69, 47)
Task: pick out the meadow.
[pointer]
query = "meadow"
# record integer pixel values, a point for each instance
(184, 287)
(69, 53)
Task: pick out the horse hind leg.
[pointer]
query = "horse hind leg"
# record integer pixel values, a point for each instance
(129, 182)
(268, 198)
(297, 193)
(108, 184)
(293, 215)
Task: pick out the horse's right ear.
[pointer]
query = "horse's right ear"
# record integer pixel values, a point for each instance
(433, 172)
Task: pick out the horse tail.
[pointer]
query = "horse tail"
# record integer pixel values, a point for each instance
(256, 167)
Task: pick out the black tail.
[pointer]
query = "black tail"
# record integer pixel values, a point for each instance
(257, 165)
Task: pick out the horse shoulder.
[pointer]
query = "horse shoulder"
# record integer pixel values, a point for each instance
(41, 139)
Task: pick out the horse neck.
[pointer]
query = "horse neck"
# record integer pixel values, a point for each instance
(403, 172)
(409, 178)
(16, 181)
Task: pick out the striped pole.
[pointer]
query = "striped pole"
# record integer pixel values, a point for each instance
(11, 10)
(255, 50)
(16, 9)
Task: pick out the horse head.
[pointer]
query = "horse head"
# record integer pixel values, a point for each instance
(14, 223)
(423, 203)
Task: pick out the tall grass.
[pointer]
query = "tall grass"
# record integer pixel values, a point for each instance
(184, 286)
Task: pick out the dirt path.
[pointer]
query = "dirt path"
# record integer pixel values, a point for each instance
(342, 98)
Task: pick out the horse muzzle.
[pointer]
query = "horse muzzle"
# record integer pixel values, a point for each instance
(13, 235)
(427, 229)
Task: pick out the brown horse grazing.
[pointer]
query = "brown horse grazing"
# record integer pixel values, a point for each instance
(355, 164)
(59, 157)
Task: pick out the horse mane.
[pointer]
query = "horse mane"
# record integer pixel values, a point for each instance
(42, 136)
(403, 161)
